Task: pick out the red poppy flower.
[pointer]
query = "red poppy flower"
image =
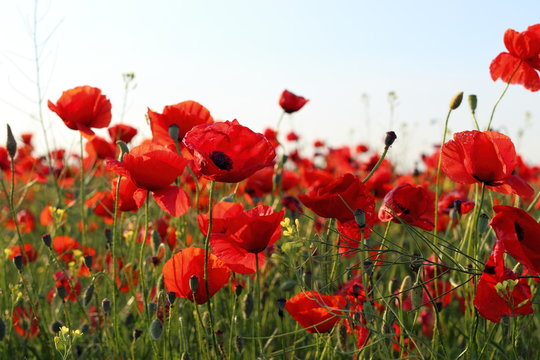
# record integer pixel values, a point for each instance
(24, 323)
(521, 63)
(31, 253)
(61, 279)
(83, 108)
(185, 115)
(5, 163)
(328, 198)
(291, 103)
(189, 263)
(131, 197)
(222, 212)
(351, 234)
(153, 167)
(261, 182)
(249, 234)
(99, 148)
(315, 312)
(64, 247)
(488, 157)
(26, 220)
(499, 292)
(228, 152)
(413, 205)
(103, 204)
(271, 136)
(520, 235)
(292, 136)
(122, 132)
(455, 200)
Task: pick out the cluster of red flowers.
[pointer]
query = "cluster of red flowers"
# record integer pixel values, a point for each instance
(189, 153)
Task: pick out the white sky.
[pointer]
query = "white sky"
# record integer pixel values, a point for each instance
(235, 57)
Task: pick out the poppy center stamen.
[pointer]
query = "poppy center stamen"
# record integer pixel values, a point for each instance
(221, 160)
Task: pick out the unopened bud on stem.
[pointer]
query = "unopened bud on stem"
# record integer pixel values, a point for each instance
(456, 101)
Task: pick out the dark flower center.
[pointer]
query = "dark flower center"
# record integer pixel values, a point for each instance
(222, 160)
(520, 234)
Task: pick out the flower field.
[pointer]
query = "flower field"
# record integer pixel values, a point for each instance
(212, 241)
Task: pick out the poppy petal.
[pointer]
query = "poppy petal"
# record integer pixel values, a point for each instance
(173, 200)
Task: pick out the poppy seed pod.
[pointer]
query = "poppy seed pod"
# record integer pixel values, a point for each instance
(360, 218)
(174, 130)
(473, 102)
(193, 283)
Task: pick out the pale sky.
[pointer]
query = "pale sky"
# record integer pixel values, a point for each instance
(235, 58)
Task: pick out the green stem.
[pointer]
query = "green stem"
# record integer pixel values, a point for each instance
(436, 210)
(206, 256)
(377, 164)
(81, 195)
(502, 94)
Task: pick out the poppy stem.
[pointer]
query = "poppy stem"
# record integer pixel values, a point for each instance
(379, 162)
(206, 253)
(437, 189)
(81, 195)
(141, 263)
(502, 94)
(258, 304)
(113, 255)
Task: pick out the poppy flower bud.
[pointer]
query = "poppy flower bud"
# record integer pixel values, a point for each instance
(389, 139)
(136, 334)
(152, 308)
(307, 278)
(18, 261)
(360, 218)
(473, 101)
(56, 326)
(88, 260)
(239, 344)
(171, 297)
(84, 329)
(47, 240)
(11, 144)
(108, 237)
(369, 312)
(405, 284)
(193, 283)
(2, 329)
(417, 296)
(368, 267)
(156, 239)
(456, 101)
(281, 306)
(106, 305)
(88, 294)
(483, 223)
(238, 289)
(247, 305)
(174, 131)
(123, 148)
(61, 292)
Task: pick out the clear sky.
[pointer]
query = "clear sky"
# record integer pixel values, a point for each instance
(235, 57)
